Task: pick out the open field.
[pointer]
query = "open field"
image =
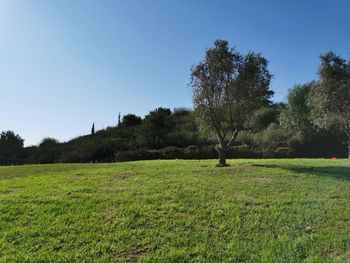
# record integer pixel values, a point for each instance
(176, 211)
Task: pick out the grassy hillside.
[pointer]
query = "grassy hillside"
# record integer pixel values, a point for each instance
(173, 211)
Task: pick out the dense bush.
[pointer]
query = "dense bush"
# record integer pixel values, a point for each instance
(284, 152)
(205, 152)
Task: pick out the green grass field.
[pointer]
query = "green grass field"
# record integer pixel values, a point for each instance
(176, 211)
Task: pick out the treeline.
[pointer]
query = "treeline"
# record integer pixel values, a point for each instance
(275, 131)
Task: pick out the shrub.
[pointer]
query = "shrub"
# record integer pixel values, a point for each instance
(172, 153)
(284, 152)
(191, 152)
(242, 151)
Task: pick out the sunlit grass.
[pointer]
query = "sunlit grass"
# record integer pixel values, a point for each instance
(176, 211)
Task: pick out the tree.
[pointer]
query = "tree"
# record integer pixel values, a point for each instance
(330, 98)
(93, 129)
(48, 150)
(11, 146)
(48, 142)
(296, 114)
(227, 88)
(184, 130)
(119, 120)
(263, 117)
(157, 125)
(131, 120)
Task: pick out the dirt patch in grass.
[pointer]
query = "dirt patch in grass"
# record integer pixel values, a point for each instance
(121, 176)
(9, 191)
(240, 168)
(75, 178)
(263, 180)
(133, 254)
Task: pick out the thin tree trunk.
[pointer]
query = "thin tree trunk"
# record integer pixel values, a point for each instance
(347, 134)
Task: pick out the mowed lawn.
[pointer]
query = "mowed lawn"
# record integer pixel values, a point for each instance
(177, 211)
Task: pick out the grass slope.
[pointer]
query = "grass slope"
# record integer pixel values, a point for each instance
(176, 211)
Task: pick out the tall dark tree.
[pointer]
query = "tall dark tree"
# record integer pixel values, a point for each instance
(131, 120)
(227, 88)
(157, 125)
(330, 99)
(93, 129)
(119, 119)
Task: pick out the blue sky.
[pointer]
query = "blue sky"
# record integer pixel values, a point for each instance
(65, 64)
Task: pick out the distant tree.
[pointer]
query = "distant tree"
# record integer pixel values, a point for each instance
(11, 146)
(227, 88)
(131, 120)
(47, 142)
(184, 130)
(180, 111)
(263, 117)
(330, 99)
(119, 122)
(157, 125)
(296, 114)
(47, 151)
(93, 129)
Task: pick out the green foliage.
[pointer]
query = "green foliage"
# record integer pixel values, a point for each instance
(172, 153)
(185, 130)
(232, 106)
(330, 99)
(272, 137)
(131, 141)
(11, 148)
(296, 114)
(131, 120)
(48, 142)
(157, 125)
(176, 211)
(48, 151)
(263, 117)
(284, 152)
(227, 88)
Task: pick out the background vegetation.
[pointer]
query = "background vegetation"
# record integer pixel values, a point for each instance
(278, 130)
(313, 122)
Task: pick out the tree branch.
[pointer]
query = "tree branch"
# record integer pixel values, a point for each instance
(346, 132)
(235, 133)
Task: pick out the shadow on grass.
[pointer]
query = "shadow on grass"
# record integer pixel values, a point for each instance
(336, 172)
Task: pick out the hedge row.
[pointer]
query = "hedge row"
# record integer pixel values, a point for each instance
(206, 152)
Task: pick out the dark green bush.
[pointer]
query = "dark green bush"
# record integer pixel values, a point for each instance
(172, 153)
(242, 151)
(191, 152)
(284, 152)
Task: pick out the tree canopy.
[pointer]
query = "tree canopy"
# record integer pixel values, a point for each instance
(11, 146)
(330, 98)
(227, 88)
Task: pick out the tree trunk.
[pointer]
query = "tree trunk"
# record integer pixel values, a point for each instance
(222, 157)
(349, 150)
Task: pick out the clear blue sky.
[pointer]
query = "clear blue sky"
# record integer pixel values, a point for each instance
(65, 64)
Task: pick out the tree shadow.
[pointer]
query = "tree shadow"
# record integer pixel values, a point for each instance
(336, 172)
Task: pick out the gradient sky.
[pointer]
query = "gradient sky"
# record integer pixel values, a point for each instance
(65, 64)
